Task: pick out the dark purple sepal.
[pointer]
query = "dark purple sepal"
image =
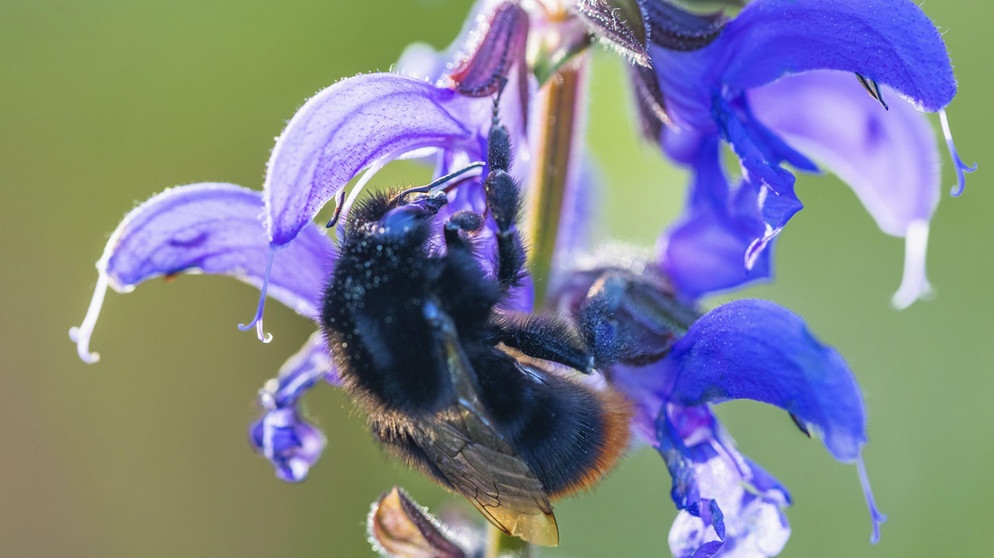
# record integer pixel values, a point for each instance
(620, 24)
(675, 29)
(649, 101)
(502, 48)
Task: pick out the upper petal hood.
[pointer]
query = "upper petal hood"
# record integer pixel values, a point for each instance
(754, 349)
(349, 126)
(889, 41)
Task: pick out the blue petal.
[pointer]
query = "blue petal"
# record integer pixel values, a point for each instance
(711, 248)
(891, 42)
(889, 159)
(207, 228)
(291, 444)
(356, 123)
(753, 349)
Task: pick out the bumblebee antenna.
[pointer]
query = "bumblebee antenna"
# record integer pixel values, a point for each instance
(436, 185)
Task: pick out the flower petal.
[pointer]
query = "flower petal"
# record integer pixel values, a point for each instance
(209, 228)
(346, 128)
(889, 157)
(301, 372)
(289, 442)
(891, 42)
(712, 247)
(753, 349)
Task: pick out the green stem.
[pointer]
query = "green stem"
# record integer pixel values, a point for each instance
(556, 149)
(560, 115)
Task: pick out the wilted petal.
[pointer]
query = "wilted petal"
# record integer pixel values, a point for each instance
(728, 505)
(208, 228)
(398, 526)
(346, 128)
(291, 444)
(502, 46)
(754, 349)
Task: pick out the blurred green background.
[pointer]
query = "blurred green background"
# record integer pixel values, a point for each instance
(105, 103)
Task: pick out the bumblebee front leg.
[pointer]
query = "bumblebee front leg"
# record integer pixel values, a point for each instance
(544, 337)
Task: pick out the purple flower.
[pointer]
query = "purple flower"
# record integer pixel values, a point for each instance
(268, 239)
(745, 349)
(776, 83)
(781, 84)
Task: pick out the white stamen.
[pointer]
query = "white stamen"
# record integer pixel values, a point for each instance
(914, 283)
(81, 335)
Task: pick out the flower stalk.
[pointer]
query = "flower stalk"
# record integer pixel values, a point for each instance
(559, 114)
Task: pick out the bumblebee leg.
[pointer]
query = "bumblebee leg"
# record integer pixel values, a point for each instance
(504, 204)
(544, 337)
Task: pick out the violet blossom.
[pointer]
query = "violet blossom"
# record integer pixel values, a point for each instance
(701, 81)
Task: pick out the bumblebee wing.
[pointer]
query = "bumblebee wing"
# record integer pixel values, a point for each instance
(477, 461)
(484, 469)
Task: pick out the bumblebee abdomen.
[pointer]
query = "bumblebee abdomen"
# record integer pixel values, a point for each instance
(569, 433)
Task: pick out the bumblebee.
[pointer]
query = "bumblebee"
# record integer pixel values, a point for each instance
(488, 402)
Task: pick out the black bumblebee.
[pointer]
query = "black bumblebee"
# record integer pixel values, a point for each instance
(486, 401)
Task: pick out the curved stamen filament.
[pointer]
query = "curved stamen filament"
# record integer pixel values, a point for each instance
(81, 335)
(875, 516)
(961, 167)
(257, 319)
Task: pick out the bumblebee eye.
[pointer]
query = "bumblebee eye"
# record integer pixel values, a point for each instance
(403, 219)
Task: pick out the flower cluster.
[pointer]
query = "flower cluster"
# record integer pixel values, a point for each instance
(788, 85)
